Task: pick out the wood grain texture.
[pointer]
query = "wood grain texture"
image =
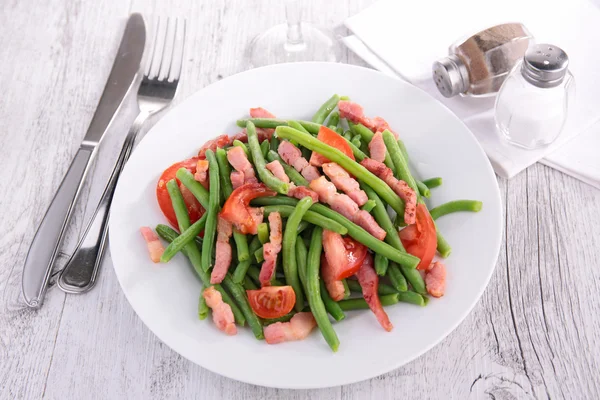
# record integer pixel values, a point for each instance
(534, 334)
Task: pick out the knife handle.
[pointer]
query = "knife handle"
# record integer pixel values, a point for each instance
(44, 248)
(79, 275)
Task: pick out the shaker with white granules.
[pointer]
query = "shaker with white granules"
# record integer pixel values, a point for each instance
(533, 103)
(478, 65)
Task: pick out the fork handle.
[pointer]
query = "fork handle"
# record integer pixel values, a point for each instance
(79, 275)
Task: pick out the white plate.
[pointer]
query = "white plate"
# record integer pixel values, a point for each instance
(166, 296)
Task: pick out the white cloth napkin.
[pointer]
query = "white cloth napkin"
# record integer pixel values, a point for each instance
(404, 38)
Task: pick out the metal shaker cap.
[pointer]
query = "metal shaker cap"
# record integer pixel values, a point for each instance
(545, 65)
(451, 76)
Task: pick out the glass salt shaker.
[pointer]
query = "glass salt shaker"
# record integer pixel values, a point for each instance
(477, 66)
(533, 103)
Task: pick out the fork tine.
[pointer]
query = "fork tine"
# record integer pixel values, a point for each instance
(178, 51)
(158, 55)
(170, 37)
(152, 47)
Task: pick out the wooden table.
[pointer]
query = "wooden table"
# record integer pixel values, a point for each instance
(534, 334)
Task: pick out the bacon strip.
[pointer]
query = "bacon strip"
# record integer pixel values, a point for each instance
(155, 247)
(298, 328)
(221, 311)
(239, 161)
(369, 281)
(271, 249)
(377, 147)
(399, 186)
(298, 192)
(293, 156)
(223, 251)
(354, 112)
(220, 141)
(435, 279)
(344, 182)
(201, 174)
(344, 205)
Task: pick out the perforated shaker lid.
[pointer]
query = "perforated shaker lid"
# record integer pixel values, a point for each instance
(451, 76)
(545, 65)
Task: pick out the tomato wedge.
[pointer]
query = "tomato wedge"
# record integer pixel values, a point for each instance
(194, 208)
(237, 208)
(272, 301)
(356, 253)
(332, 139)
(420, 239)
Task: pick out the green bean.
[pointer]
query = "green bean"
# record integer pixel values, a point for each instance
(355, 231)
(358, 153)
(208, 243)
(274, 143)
(241, 242)
(272, 123)
(400, 164)
(285, 318)
(254, 273)
(455, 206)
(334, 119)
(356, 141)
(402, 148)
(301, 255)
(302, 226)
(383, 289)
(423, 189)
(263, 232)
(361, 304)
(249, 284)
(326, 109)
(345, 162)
(239, 295)
(242, 267)
(203, 309)
(187, 179)
(381, 264)
(290, 171)
(339, 130)
(433, 182)
(290, 266)
(348, 135)
(369, 205)
(443, 247)
(396, 278)
(187, 236)
(345, 98)
(259, 162)
(415, 279)
(317, 294)
(238, 143)
(346, 289)
(310, 217)
(193, 254)
(265, 146)
(259, 255)
(297, 125)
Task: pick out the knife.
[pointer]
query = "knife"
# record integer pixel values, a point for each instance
(44, 248)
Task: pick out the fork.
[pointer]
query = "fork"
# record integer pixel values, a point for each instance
(157, 90)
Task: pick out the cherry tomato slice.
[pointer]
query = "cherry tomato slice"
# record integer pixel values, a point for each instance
(272, 301)
(237, 208)
(420, 239)
(356, 253)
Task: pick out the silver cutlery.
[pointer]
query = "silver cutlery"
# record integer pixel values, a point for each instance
(158, 88)
(44, 248)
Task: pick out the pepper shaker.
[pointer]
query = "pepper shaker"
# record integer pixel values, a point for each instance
(532, 105)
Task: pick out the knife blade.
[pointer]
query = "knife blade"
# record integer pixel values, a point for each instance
(44, 248)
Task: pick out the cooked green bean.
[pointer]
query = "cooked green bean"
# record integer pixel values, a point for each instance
(383, 289)
(433, 182)
(415, 279)
(356, 141)
(355, 231)
(345, 162)
(405, 297)
(265, 146)
(186, 236)
(259, 163)
(290, 266)
(187, 179)
(334, 119)
(239, 295)
(317, 294)
(290, 171)
(326, 109)
(297, 125)
(242, 267)
(423, 189)
(301, 255)
(455, 206)
(203, 309)
(249, 284)
(396, 278)
(259, 254)
(369, 205)
(263, 232)
(381, 264)
(348, 135)
(346, 289)
(208, 243)
(285, 318)
(193, 254)
(361, 304)
(302, 226)
(238, 143)
(400, 164)
(358, 153)
(273, 144)
(310, 217)
(241, 242)
(272, 123)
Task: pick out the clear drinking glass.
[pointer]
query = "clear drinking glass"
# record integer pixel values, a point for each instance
(294, 41)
